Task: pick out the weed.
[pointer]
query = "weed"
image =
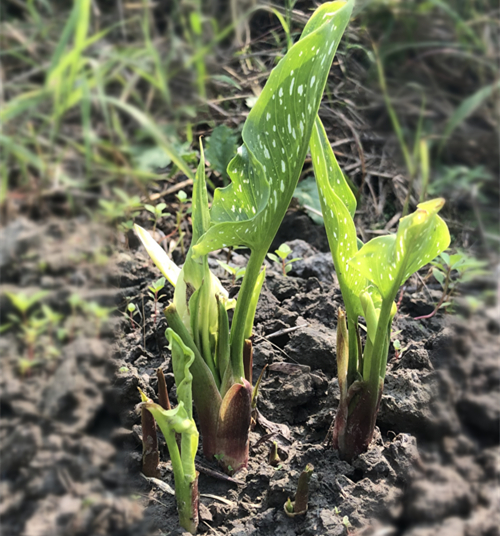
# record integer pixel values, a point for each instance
(23, 303)
(279, 257)
(99, 313)
(131, 312)
(153, 292)
(157, 213)
(450, 271)
(236, 271)
(221, 146)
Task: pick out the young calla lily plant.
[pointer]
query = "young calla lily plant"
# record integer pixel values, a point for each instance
(248, 212)
(370, 276)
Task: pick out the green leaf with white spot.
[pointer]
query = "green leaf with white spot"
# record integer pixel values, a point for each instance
(338, 205)
(265, 171)
(388, 261)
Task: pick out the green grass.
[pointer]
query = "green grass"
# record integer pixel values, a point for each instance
(82, 89)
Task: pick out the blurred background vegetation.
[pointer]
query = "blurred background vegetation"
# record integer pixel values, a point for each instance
(103, 103)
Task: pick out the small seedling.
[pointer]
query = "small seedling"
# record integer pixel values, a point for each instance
(182, 197)
(236, 271)
(450, 271)
(369, 276)
(157, 213)
(31, 332)
(25, 365)
(53, 318)
(98, 312)
(180, 421)
(153, 292)
(126, 226)
(76, 303)
(398, 349)
(112, 210)
(33, 327)
(24, 303)
(132, 311)
(280, 255)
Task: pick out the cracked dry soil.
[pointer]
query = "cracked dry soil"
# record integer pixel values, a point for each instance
(70, 434)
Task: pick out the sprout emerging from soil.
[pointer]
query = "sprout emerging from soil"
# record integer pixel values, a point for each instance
(300, 505)
(179, 421)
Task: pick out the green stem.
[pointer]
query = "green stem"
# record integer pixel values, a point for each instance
(175, 457)
(187, 506)
(240, 314)
(203, 315)
(183, 480)
(380, 346)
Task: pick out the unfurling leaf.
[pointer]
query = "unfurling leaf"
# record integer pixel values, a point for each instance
(159, 256)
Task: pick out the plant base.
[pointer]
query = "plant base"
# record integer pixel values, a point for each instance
(355, 421)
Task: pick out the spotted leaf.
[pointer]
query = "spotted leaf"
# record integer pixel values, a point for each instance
(338, 205)
(388, 261)
(276, 135)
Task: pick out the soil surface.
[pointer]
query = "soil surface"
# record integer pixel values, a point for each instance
(70, 433)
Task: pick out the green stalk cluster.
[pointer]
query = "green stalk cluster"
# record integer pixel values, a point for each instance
(214, 358)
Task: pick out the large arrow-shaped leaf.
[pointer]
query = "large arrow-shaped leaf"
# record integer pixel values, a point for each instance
(276, 136)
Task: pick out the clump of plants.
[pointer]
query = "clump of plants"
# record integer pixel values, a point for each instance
(214, 356)
(369, 276)
(247, 212)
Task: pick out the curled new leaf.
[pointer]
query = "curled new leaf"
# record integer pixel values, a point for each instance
(159, 256)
